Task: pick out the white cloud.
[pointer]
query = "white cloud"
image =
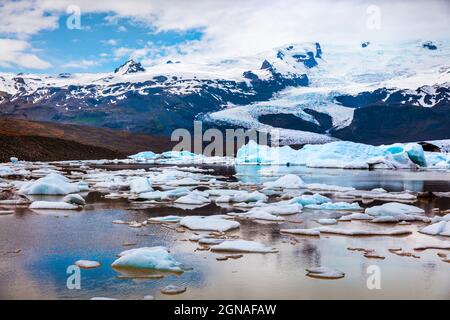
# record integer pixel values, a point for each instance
(232, 28)
(25, 18)
(16, 53)
(111, 42)
(81, 64)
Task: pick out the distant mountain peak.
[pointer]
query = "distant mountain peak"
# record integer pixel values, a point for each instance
(130, 66)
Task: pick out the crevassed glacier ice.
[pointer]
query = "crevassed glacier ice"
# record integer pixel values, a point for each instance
(338, 154)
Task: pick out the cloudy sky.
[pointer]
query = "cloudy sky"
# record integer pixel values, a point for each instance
(49, 35)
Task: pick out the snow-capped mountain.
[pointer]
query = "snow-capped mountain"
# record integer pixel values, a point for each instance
(311, 93)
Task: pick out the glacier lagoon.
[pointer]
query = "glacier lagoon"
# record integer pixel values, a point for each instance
(39, 245)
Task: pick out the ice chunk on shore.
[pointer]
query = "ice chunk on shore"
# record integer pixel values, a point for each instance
(440, 228)
(394, 209)
(193, 198)
(342, 206)
(289, 181)
(305, 200)
(155, 258)
(242, 246)
(52, 184)
(208, 224)
(49, 205)
(327, 221)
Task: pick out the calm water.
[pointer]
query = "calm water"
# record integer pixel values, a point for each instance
(50, 244)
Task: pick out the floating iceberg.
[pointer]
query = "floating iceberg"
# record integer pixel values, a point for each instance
(52, 184)
(289, 181)
(324, 273)
(75, 199)
(155, 258)
(338, 154)
(164, 195)
(49, 205)
(243, 246)
(440, 228)
(208, 224)
(394, 209)
(194, 198)
(344, 206)
(305, 200)
(140, 185)
(87, 264)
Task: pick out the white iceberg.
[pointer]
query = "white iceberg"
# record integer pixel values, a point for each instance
(342, 206)
(75, 199)
(87, 264)
(155, 258)
(289, 181)
(208, 224)
(164, 195)
(140, 185)
(394, 209)
(52, 184)
(243, 246)
(437, 229)
(302, 232)
(305, 200)
(327, 221)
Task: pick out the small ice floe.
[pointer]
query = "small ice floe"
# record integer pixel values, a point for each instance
(208, 223)
(75, 199)
(328, 187)
(194, 198)
(257, 214)
(166, 219)
(394, 209)
(302, 232)
(356, 232)
(441, 228)
(289, 181)
(356, 216)
(377, 194)
(436, 219)
(183, 182)
(305, 200)
(140, 185)
(210, 241)
(341, 206)
(102, 299)
(13, 160)
(327, 221)
(154, 258)
(173, 289)
(52, 184)
(243, 246)
(324, 273)
(50, 205)
(87, 264)
(167, 195)
(149, 297)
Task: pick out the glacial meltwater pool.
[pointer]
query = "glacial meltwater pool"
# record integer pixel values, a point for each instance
(36, 249)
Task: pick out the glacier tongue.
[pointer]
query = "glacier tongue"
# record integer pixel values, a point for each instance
(339, 154)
